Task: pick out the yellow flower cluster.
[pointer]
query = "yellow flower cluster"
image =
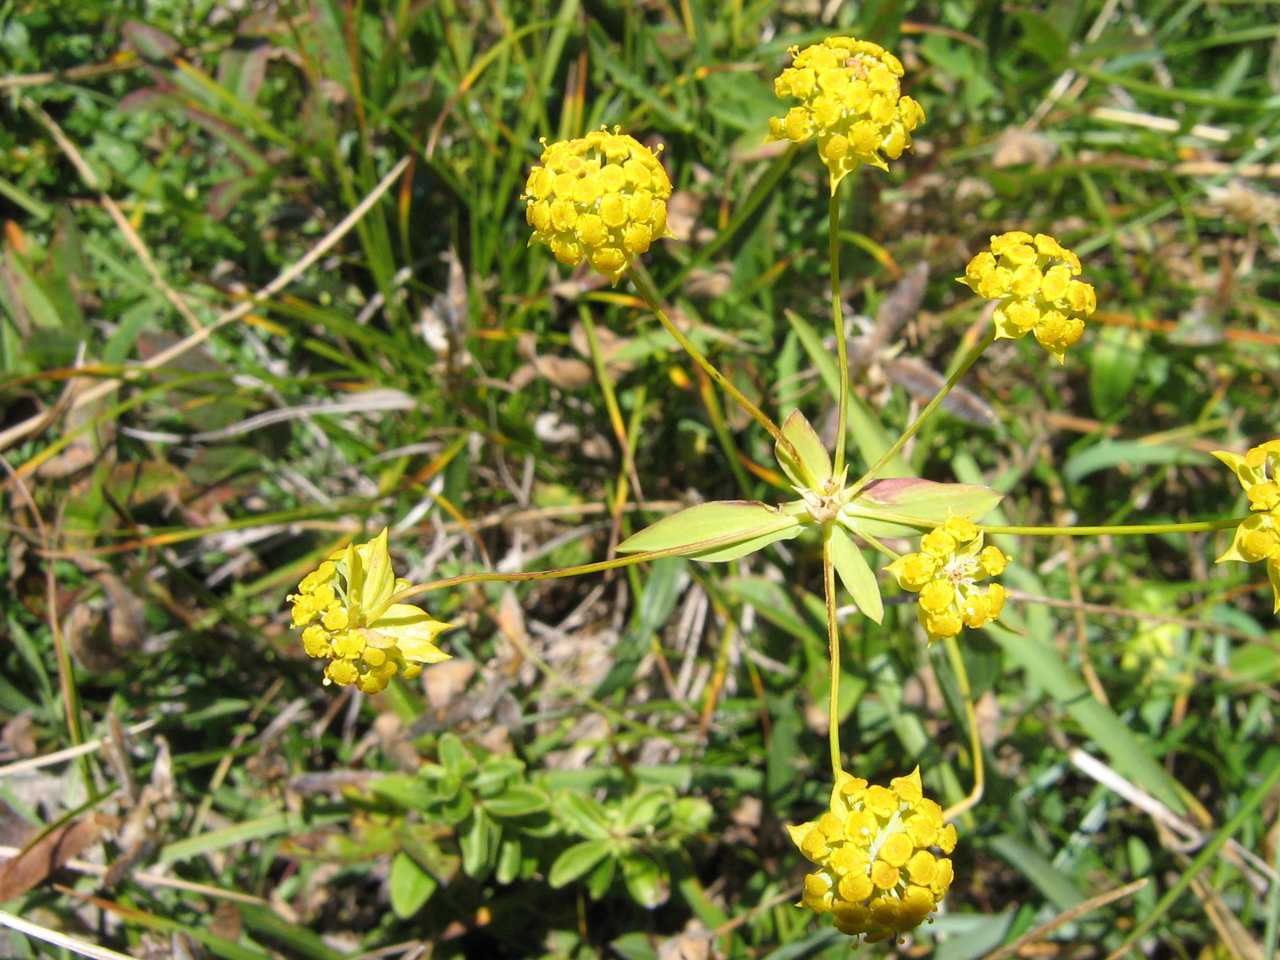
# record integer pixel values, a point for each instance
(344, 607)
(877, 875)
(851, 101)
(1258, 537)
(600, 198)
(951, 558)
(1034, 278)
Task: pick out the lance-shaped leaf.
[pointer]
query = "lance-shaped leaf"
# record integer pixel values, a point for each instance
(806, 462)
(855, 574)
(886, 508)
(720, 530)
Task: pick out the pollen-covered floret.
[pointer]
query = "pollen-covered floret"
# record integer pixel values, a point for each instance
(880, 872)
(347, 618)
(1257, 538)
(1034, 278)
(600, 198)
(951, 559)
(851, 99)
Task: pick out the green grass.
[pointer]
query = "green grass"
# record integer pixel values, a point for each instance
(155, 527)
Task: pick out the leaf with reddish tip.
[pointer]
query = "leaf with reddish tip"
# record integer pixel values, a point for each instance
(900, 507)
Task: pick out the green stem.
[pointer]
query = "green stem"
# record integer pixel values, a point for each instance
(971, 718)
(614, 411)
(833, 644)
(837, 318)
(559, 573)
(925, 414)
(1141, 529)
(644, 285)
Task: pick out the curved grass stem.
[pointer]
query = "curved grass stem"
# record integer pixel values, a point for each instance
(926, 413)
(975, 743)
(645, 287)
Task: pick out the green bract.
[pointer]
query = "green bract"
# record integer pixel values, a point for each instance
(729, 529)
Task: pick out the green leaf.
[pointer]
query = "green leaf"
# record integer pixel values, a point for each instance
(885, 506)
(477, 839)
(411, 885)
(1036, 654)
(1130, 453)
(647, 807)
(647, 880)
(453, 755)
(856, 575)
(518, 800)
(510, 856)
(582, 814)
(811, 465)
(661, 591)
(721, 530)
(577, 860)
(1114, 363)
(494, 773)
(1052, 882)
(410, 792)
(601, 878)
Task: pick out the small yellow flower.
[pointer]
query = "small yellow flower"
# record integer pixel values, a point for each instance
(1034, 280)
(878, 875)
(851, 100)
(1258, 537)
(951, 558)
(600, 198)
(343, 609)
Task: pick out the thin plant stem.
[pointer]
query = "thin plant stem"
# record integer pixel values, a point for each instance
(975, 743)
(615, 417)
(837, 319)
(926, 413)
(644, 285)
(1119, 530)
(833, 644)
(560, 573)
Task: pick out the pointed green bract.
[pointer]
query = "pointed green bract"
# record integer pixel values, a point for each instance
(900, 507)
(856, 574)
(810, 467)
(721, 530)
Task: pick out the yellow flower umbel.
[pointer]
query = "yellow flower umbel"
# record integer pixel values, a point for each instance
(1034, 278)
(944, 572)
(877, 875)
(600, 198)
(344, 610)
(851, 101)
(1258, 537)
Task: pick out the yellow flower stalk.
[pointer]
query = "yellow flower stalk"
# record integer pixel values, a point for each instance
(851, 101)
(344, 610)
(1257, 538)
(1034, 278)
(878, 875)
(600, 198)
(951, 559)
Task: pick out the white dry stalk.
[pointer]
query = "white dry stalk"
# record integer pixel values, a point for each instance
(82, 947)
(1261, 880)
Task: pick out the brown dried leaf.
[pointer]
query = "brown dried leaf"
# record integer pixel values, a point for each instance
(18, 737)
(1017, 146)
(32, 866)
